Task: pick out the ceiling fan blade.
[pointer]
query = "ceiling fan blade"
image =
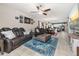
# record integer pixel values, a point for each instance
(47, 10)
(34, 11)
(44, 14)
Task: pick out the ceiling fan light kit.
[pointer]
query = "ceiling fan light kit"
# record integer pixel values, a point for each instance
(40, 12)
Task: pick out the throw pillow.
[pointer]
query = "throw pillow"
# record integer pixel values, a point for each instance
(8, 34)
(26, 32)
(37, 30)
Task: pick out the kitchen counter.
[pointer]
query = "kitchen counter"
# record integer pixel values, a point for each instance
(74, 41)
(74, 36)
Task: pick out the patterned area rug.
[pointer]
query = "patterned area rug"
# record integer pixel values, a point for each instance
(46, 49)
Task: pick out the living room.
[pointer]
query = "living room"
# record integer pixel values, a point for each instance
(37, 29)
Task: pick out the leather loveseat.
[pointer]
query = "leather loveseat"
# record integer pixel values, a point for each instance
(39, 31)
(11, 44)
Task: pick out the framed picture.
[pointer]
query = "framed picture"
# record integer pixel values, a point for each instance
(16, 17)
(32, 21)
(26, 20)
(21, 19)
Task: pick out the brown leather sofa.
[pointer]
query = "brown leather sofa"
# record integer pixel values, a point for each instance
(11, 44)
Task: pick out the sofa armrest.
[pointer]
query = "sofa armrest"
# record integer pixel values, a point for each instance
(7, 45)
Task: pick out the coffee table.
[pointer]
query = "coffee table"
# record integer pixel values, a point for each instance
(43, 37)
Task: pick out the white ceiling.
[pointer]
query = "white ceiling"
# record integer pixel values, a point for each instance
(58, 10)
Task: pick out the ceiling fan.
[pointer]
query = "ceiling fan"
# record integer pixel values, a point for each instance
(42, 10)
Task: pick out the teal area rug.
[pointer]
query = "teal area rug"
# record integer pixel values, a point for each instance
(44, 48)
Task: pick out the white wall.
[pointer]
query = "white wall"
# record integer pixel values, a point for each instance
(55, 19)
(7, 18)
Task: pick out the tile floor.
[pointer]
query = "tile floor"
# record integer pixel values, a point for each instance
(62, 49)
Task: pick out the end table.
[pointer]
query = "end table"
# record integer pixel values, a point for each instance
(2, 46)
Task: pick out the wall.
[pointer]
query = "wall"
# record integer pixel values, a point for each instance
(7, 18)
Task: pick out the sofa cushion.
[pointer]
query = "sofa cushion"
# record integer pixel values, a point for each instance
(22, 29)
(5, 29)
(26, 32)
(16, 31)
(18, 40)
(20, 32)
